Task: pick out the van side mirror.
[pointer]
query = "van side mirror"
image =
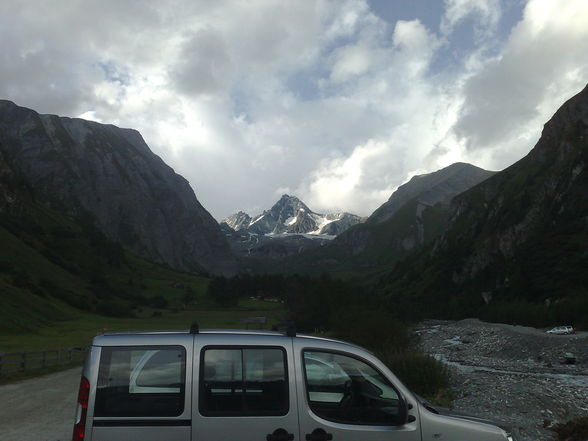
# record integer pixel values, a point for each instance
(403, 416)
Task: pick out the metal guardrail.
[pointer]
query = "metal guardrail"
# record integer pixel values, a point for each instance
(11, 362)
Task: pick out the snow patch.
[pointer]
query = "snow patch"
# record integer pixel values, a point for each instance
(256, 219)
(322, 222)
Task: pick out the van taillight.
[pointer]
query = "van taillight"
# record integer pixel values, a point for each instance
(82, 410)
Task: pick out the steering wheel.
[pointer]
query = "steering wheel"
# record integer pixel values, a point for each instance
(349, 396)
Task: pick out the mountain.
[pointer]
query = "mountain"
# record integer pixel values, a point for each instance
(52, 266)
(237, 221)
(519, 236)
(336, 223)
(87, 169)
(289, 227)
(414, 215)
(431, 188)
(291, 215)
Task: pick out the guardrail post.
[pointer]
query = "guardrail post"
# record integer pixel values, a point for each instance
(44, 362)
(23, 361)
(1, 361)
(69, 355)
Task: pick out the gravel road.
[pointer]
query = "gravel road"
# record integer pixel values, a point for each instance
(40, 409)
(512, 374)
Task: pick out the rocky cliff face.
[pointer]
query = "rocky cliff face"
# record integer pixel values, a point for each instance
(84, 167)
(340, 222)
(7, 193)
(237, 221)
(288, 215)
(432, 188)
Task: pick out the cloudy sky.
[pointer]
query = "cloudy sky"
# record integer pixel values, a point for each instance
(337, 102)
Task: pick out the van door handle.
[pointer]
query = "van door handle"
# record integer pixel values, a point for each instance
(280, 435)
(319, 435)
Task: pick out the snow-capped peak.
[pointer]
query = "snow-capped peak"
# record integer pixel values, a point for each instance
(290, 215)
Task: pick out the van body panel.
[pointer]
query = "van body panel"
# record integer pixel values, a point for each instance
(90, 371)
(237, 427)
(142, 434)
(458, 429)
(127, 427)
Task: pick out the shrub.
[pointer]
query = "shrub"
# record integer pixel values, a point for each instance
(63, 232)
(21, 279)
(189, 296)
(574, 430)
(376, 330)
(421, 373)
(6, 267)
(49, 286)
(114, 308)
(222, 293)
(158, 302)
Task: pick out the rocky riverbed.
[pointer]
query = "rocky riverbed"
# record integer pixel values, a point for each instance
(515, 375)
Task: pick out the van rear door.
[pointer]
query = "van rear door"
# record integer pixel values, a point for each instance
(142, 390)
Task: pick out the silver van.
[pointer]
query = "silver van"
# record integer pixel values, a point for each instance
(218, 385)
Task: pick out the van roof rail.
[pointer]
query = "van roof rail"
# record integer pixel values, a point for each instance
(194, 329)
(289, 328)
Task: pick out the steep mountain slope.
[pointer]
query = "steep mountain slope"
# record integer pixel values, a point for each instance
(429, 189)
(414, 215)
(83, 167)
(52, 266)
(522, 234)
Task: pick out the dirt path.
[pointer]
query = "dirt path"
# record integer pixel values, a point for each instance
(512, 374)
(40, 409)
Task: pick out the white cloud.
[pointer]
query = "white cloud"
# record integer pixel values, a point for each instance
(339, 182)
(511, 96)
(250, 99)
(415, 45)
(486, 15)
(204, 65)
(351, 61)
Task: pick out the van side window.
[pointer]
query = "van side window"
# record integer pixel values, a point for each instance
(347, 390)
(141, 381)
(243, 382)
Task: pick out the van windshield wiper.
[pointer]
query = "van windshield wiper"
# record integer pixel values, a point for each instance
(430, 408)
(427, 405)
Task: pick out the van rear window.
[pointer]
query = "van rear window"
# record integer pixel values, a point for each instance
(141, 381)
